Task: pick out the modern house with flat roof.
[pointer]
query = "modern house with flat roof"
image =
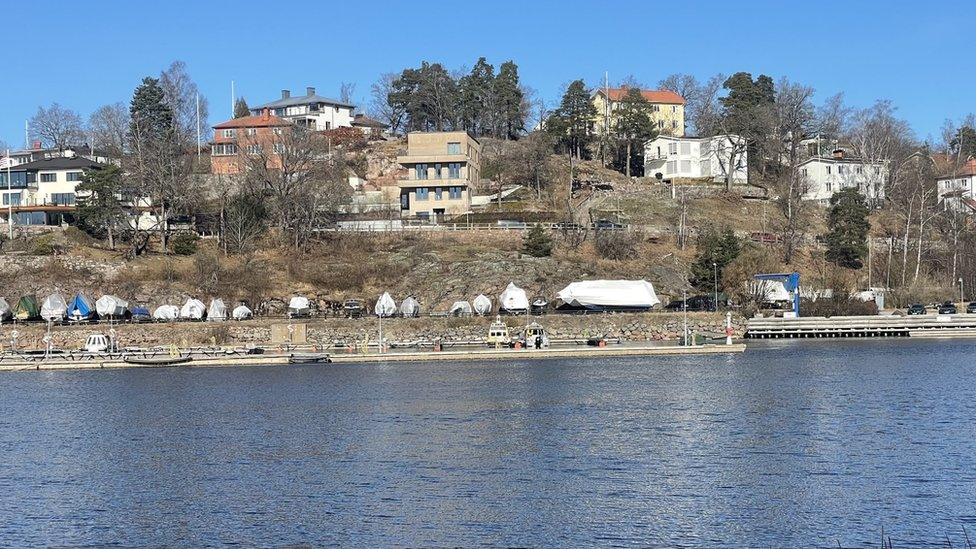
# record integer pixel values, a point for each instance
(43, 192)
(311, 110)
(441, 167)
(712, 159)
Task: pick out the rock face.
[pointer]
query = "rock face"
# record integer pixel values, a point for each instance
(343, 332)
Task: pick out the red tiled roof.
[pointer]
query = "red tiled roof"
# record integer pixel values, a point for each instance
(263, 120)
(967, 169)
(653, 96)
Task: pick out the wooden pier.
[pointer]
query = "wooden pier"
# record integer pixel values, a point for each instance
(946, 326)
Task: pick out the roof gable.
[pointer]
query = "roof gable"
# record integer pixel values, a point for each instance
(653, 96)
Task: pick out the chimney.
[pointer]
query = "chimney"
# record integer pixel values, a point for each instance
(36, 145)
(310, 91)
(285, 94)
(838, 153)
(265, 113)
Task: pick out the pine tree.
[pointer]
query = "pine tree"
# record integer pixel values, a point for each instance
(572, 123)
(848, 226)
(151, 118)
(101, 211)
(715, 251)
(633, 126)
(537, 242)
(509, 102)
(477, 101)
(241, 109)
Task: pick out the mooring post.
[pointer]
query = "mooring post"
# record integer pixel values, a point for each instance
(728, 328)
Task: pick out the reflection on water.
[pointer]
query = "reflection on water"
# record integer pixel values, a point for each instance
(790, 444)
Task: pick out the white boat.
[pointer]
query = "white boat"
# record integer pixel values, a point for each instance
(385, 306)
(513, 300)
(498, 335)
(242, 312)
(97, 343)
(216, 312)
(193, 309)
(482, 304)
(298, 307)
(110, 306)
(54, 308)
(166, 313)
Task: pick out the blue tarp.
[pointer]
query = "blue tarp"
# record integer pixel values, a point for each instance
(140, 313)
(80, 308)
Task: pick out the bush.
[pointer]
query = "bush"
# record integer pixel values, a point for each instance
(537, 242)
(615, 245)
(185, 243)
(44, 245)
(837, 307)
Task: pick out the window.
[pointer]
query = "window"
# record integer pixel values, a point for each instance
(686, 166)
(453, 148)
(671, 166)
(254, 149)
(49, 177)
(251, 131)
(277, 131)
(11, 199)
(74, 176)
(674, 124)
(454, 193)
(674, 108)
(454, 170)
(686, 148)
(279, 148)
(828, 170)
(421, 171)
(840, 170)
(829, 186)
(660, 124)
(803, 172)
(63, 199)
(17, 179)
(655, 108)
(672, 148)
(423, 193)
(437, 171)
(229, 133)
(859, 170)
(438, 193)
(224, 149)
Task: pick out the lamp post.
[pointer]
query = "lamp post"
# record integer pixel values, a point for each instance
(962, 298)
(684, 306)
(715, 272)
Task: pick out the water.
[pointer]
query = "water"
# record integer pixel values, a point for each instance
(791, 444)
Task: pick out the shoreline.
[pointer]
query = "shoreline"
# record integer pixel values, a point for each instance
(395, 357)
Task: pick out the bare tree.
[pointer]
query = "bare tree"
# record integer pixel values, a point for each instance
(108, 126)
(702, 111)
(380, 106)
(181, 94)
(57, 126)
(346, 92)
(795, 116)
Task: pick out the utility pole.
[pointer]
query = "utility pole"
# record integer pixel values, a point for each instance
(26, 136)
(684, 305)
(715, 270)
(233, 99)
(198, 125)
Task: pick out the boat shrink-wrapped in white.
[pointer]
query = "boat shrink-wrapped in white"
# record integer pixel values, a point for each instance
(385, 306)
(242, 312)
(409, 307)
(460, 308)
(482, 305)
(193, 309)
(166, 313)
(110, 306)
(609, 294)
(513, 299)
(216, 311)
(54, 308)
(5, 312)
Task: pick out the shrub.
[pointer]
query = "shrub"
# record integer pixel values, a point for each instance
(837, 306)
(185, 243)
(537, 242)
(615, 245)
(43, 245)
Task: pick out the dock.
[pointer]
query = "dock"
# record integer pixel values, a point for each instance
(921, 326)
(277, 359)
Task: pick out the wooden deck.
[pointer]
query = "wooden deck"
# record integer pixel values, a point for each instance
(959, 325)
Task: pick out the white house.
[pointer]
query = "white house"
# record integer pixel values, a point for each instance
(956, 190)
(311, 110)
(714, 158)
(43, 192)
(824, 176)
(38, 152)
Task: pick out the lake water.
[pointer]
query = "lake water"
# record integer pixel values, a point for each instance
(791, 444)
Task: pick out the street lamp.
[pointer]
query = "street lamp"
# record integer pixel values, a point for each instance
(684, 306)
(715, 270)
(962, 298)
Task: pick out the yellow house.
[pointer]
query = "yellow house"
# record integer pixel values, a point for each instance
(667, 109)
(441, 166)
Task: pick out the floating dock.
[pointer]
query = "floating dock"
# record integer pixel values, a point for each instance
(937, 326)
(10, 363)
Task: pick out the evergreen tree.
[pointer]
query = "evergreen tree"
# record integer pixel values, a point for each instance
(537, 242)
(848, 226)
(241, 109)
(101, 212)
(572, 123)
(151, 118)
(477, 101)
(633, 126)
(715, 251)
(964, 143)
(509, 102)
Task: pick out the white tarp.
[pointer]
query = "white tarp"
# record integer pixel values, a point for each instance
(193, 309)
(298, 305)
(770, 290)
(216, 311)
(460, 308)
(409, 307)
(54, 308)
(5, 312)
(482, 305)
(109, 306)
(242, 312)
(610, 294)
(385, 306)
(166, 312)
(513, 299)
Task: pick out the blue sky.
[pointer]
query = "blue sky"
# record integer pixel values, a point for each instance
(84, 55)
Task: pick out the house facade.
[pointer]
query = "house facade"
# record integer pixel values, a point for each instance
(707, 158)
(43, 192)
(956, 188)
(441, 168)
(824, 176)
(667, 109)
(312, 111)
(371, 128)
(39, 152)
(257, 134)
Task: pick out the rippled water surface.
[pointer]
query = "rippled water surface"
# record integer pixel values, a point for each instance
(790, 444)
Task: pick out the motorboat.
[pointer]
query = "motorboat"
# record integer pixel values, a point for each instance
(498, 335)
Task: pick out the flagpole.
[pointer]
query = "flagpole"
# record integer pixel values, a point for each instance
(198, 124)
(10, 201)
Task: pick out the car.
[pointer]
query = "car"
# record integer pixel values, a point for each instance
(947, 308)
(353, 308)
(606, 224)
(917, 309)
(971, 308)
(698, 303)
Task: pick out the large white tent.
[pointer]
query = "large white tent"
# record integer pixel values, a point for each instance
(385, 306)
(609, 294)
(513, 299)
(482, 305)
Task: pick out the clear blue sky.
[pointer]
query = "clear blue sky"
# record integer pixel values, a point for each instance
(83, 55)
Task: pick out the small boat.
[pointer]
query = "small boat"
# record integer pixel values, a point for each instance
(309, 358)
(298, 307)
(534, 337)
(140, 314)
(157, 361)
(97, 343)
(539, 306)
(498, 334)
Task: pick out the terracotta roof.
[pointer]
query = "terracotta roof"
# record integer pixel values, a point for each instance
(966, 170)
(263, 120)
(363, 120)
(653, 96)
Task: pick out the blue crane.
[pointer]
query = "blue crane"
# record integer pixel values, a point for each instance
(791, 282)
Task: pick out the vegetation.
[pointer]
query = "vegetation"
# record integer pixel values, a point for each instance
(537, 242)
(716, 250)
(849, 227)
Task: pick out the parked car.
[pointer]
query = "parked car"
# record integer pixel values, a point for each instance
(606, 224)
(971, 308)
(917, 309)
(696, 303)
(353, 308)
(947, 308)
